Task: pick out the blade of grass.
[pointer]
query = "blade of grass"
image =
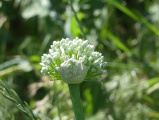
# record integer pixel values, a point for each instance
(153, 81)
(117, 41)
(123, 9)
(16, 97)
(44, 43)
(9, 98)
(13, 97)
(79, 23)
(23, 110)
(113, 112)
(139, 18)
(30, 110)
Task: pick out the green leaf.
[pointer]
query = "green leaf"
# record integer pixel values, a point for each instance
(13, 97)
(75, 30)
(117, 41)
(138, 17)
(123, 9)
(153, 81)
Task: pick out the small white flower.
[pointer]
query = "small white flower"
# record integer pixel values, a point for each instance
(72, 61)
(104, 64)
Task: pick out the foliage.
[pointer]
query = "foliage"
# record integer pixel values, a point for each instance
(12, 96)
(124, 31)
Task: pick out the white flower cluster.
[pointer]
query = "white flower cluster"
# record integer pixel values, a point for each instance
(72, 61)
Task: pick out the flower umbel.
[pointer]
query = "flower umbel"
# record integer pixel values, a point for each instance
(72, 61)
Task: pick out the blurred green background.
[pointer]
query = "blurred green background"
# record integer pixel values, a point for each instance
(126, 32)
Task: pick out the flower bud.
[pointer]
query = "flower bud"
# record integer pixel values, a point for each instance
(72, 71)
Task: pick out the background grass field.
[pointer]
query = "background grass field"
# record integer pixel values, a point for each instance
(126, 32)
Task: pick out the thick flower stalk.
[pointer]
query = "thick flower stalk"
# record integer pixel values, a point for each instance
(73, 61)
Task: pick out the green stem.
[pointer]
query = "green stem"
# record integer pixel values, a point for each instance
(76, 101)
(57, 102)
(80, 26)
(110, 103)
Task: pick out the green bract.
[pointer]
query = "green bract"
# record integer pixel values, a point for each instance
(72, 61)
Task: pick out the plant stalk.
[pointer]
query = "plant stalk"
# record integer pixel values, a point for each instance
(76, 101)
(80, 26)
(57, 102)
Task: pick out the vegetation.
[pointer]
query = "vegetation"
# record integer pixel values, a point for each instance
(124, 31)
